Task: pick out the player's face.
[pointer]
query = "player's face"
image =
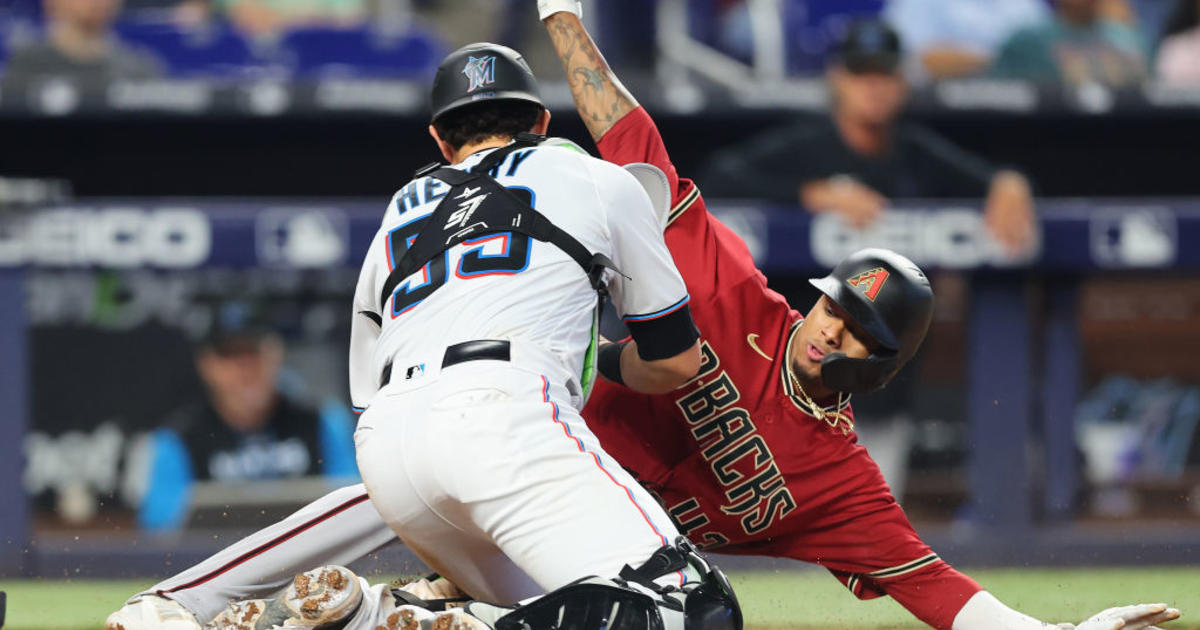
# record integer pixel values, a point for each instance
(1082, 10)
(241, 382)
(90, 15)
(872, 98)
(827, 329)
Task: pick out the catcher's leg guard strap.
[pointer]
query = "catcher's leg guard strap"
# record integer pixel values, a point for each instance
(709, 604)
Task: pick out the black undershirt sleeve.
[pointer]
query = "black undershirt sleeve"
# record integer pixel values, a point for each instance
(663, 336)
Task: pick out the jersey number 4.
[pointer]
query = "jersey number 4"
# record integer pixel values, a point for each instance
(512, 259)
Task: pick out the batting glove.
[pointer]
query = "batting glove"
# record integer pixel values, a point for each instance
(1136, 617)
(546, 8)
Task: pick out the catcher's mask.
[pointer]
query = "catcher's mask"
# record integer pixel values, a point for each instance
(889, 297)
(482, 72)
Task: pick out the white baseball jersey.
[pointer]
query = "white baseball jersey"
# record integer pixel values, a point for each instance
(508, 286)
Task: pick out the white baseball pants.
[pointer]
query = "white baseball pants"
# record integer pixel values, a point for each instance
(489, 474)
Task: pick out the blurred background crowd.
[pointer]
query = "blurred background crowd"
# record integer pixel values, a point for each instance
(198, 380)
(1112, 42)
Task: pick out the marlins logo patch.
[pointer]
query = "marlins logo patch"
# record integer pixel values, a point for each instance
(870, 282)
(480, 71)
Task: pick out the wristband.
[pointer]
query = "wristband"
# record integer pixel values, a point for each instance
(608, 361)
(546, 8)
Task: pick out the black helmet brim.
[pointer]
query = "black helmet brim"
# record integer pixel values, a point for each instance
(486, 97)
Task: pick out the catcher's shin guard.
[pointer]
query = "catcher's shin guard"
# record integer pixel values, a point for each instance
(589, 604)
(634, 601)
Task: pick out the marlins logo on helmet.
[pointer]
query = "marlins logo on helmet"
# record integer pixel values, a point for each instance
(480, 71)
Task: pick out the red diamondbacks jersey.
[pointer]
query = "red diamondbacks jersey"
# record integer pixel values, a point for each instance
(733, 457)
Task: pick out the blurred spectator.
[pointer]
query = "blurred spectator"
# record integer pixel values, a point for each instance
(1119, 11)
(137, 6)
(269, 18)
(246, 429)
(853, 161)
(946, 39)
(185, 13)
(1179, 56)
(80, 46)
(1151, 18)
(1082, 43)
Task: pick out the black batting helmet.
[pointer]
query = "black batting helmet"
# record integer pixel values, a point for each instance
(889, 296)
(480, 72)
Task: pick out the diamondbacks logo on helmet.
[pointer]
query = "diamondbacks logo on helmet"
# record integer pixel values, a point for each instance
(870, 282)
(480, 71)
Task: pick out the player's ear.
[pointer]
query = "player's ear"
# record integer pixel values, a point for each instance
(448, 151)
(542, 124)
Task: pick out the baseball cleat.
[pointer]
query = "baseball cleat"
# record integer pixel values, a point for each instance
(152, 612)
(408, 618)
(458, 619)
(249, 614)
(320, 599)
(437, 588)
(323, 596)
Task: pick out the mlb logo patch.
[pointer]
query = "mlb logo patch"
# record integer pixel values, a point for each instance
(480, 71)
(414, 371)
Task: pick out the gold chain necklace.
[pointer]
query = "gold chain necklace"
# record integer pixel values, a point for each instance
(834, 418)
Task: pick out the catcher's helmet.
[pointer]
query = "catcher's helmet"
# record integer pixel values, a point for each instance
(889, 296)
(479, 72)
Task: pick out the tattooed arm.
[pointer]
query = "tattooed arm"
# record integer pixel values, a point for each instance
(599, 95)
(623, 131)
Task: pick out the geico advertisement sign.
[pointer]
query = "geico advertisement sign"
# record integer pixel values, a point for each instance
(108, 237)
(947, 237)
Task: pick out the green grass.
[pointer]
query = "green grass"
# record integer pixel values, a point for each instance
(64, 604)
(801, 599)
(815, 600)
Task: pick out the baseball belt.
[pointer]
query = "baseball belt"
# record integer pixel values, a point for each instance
(478, 350)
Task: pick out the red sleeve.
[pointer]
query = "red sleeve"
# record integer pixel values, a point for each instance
(935, 595)
(635, 138)
(710, 256)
